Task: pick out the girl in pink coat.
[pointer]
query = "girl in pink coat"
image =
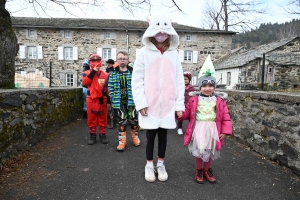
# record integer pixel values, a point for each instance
(209, 123)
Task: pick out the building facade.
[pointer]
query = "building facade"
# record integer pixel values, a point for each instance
(67, 42)
(245, 68)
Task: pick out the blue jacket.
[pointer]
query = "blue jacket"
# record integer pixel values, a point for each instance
(114, 88)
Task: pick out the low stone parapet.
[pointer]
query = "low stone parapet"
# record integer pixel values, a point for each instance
(28, 116)
(269, 123)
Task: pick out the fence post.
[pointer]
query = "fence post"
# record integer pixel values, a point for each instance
(263, 72)
(50, 74)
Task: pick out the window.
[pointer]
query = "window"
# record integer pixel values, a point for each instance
(106, 54)
(270, 70)
(228, 78)
(188, 56)
(31, 53)
(68, 53)
(67, 34)
(107, 35)
(31, 33)
(69, 79)
(188, 38)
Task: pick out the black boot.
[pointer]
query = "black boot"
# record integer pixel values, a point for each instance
(103, 139)
(84, 114)
(92, 140)
(111, 124)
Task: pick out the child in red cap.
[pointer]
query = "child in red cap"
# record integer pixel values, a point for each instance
(188, 88)
(97, 98)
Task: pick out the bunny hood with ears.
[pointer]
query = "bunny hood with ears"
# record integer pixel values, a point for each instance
(163, 25)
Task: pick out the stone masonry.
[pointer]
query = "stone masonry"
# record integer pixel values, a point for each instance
(282, 64)
(28, 116)
(267, 122)
(88, 35)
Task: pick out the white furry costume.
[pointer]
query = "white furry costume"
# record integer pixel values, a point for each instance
(157, 79)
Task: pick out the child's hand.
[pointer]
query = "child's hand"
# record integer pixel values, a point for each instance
(97, 68)
(222, 136)
(179, 114)
(144, 112)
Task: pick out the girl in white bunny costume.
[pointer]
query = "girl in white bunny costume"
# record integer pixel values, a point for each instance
(158, 89)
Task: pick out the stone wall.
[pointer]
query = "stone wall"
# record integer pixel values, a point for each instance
(28, 116)
(269, 123)
(282, 76)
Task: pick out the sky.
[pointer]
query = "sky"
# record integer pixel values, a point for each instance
(191, 15)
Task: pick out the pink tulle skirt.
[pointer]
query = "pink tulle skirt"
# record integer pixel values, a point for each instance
(204, 139)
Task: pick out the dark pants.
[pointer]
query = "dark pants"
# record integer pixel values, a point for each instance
(127, 116)
(112, 116)
(179, 124)
(162, 142)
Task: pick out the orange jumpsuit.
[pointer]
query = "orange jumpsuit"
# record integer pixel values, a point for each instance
(97, 97)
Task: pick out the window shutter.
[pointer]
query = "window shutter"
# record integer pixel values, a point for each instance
(60, 53)
(99, 51)
(62, 79)
(22, 52)
(75, 77)
(40, 52)
(195, 56)
(75, 53)
(181, 55)
(114, 54)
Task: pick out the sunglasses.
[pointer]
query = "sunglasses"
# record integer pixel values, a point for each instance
(206, 81)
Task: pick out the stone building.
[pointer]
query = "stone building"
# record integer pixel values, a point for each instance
(243, 68)
(66, 42)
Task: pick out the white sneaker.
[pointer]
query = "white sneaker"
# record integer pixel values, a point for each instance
(150, 174)
(162, 173)
(179, 131)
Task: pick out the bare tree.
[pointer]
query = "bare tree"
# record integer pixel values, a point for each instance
(234, 14)
(9, 45)
(288, 31)
(129, 6)
(212, 14)
(9, 48)
(293, 7)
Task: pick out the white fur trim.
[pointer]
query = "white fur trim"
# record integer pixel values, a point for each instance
(222, 95)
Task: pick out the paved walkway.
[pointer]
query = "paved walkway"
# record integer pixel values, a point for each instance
(64, 167)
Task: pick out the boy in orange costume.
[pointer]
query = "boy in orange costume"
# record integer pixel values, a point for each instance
(97, 99)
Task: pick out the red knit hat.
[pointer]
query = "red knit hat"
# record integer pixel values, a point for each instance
(188, 75)
(95, 57)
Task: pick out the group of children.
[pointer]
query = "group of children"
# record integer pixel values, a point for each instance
(161, 96)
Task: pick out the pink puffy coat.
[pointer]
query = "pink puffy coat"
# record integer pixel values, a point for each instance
(223, 121)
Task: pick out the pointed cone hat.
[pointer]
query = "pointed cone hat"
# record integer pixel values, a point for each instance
(207, 73)
(207, 68)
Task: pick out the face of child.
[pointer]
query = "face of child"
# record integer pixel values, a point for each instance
(207, 89)
(109, 65)
(122, 60)
(95, 63)
(186, 80)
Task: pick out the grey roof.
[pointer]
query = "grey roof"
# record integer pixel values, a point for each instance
(239, 49)
(84, 23)
(239, 58)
